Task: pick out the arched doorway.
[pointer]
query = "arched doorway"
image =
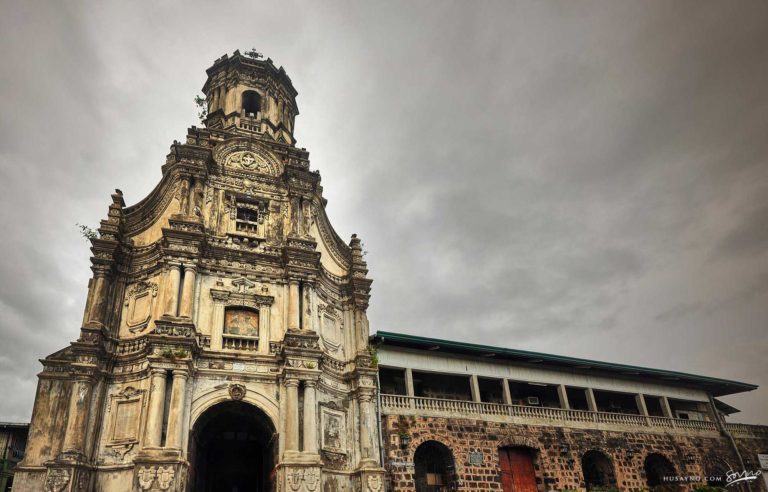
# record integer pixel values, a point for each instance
(232, 449)
(657, 467)
(518, 473)
(434, 467)
(597, 470)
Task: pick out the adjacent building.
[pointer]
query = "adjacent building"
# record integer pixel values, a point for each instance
(461, 416)
(13, 440)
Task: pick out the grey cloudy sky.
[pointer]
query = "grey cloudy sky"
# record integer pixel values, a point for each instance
(577, 177)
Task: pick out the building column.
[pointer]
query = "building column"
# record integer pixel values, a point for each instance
(591, 402)
(505, 392)
(310, 417)
(665, 408)
(292, 414)
(641, 407)
(293, 305)
(77, 419)
(562, 395)
(366, 426)
(188, 291)
(98, 297)
(153, 431)
(174, 436)
(474, 387)
(172, 290)
(409, 390)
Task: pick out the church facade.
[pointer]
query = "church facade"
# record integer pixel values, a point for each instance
(224, 344)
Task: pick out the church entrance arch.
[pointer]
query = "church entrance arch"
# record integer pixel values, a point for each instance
(233, 446)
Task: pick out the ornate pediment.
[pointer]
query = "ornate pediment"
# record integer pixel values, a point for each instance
(246, 156)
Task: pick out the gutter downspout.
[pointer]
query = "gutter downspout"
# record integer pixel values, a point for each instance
(731, 440)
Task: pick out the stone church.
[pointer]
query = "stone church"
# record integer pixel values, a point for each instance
(224, 345)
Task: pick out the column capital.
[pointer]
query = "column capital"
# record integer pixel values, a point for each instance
(292, 382)
(190, 267)
(310, 383)
(157, 371)
(180, 373)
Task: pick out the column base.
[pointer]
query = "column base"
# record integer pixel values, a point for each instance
(160, 469)
(66, 475)
(298, 477)
(371, 479)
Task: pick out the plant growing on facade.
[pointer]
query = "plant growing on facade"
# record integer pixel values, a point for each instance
(89, 233)
(202, 106)
(374, 357)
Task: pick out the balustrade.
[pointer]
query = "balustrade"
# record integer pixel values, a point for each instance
(399, 404)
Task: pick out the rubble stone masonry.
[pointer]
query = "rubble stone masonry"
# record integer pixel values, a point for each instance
(557, 452)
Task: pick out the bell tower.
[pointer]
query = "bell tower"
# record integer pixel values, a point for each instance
(224, 342)
(246, 94)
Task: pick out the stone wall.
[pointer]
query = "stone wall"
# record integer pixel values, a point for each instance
(557, 451)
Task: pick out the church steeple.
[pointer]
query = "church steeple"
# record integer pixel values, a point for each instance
(247, 94)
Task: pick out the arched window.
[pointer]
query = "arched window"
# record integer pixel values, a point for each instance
(251, 103)
(657, 469)
(240, 320)
(597, 470)
(434, 467)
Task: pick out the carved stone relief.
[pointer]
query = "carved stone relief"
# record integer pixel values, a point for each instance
(163, 475)
(331, 325)
(333, 425)
(57, 480)
(139, 301)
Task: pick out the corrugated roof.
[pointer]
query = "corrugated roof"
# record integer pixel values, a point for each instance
(716, 386)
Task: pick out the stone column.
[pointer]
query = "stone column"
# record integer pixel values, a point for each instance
(292, 414)
(188, 291)
(172, 290)
(641, 407)
(174, 436)
(505, 391)
(562, 395)
(409, 390)
(77, 419)
(474, 387)
(98, 297)
(293, 305)
(310, 417)
(153, 431)
(366, 426)
(591, 402)
(665, 408)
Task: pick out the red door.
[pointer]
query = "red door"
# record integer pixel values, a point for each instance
(517, 473)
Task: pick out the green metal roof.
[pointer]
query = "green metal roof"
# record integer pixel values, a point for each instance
(716, 386)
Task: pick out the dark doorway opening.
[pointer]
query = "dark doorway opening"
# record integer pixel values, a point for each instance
(598, 471)
(660, 473)
(233, 449)
(434, 467)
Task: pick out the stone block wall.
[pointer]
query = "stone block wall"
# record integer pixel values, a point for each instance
(557, 452)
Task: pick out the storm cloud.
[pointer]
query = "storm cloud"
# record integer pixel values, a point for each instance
(585, 178)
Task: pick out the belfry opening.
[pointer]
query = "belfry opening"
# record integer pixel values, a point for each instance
(232, 449)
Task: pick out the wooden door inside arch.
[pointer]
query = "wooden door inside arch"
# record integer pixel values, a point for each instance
(517, 472)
